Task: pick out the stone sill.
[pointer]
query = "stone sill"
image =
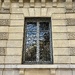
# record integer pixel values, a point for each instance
(56, 66)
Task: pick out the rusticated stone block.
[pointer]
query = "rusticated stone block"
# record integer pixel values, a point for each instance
(2, 51)
(70, 21)
(69, 11)
(4, 22)
(3, 28)
(71, 36)
(73, 59)
(1, 59)
(4, 11)
(62, 59)
(71, 28)
(70, 15)
(4, 16)
(72, 51)
(13, 59)
(71, 43)
(11, 71)
(3, 36)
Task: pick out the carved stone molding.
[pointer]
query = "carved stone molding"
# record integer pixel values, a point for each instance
(4, 22)
(2, 51)
(3, 36)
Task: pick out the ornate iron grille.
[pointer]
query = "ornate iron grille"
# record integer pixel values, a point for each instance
(37, 45)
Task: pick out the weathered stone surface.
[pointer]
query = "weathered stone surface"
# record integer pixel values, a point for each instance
(3, 43)
(70, 16)
(68, 5)
(16, 36)
(59, 22)
(71, 43)
(4, 16)
(37, 12)
(63, 72)
(6, 5)
(59, 29)
(17, 16)
(61, 51)
(70, 22)
(17, 23)
(13, 59)
(13, 5)
(14, 51)
(1, 59)
(71, 28)
(0, 72)
(69, 11)
(74, 72)
(16, 10)
(60, 43)
(71, 36)
(14, 43)
(31, 12)
(43, 11)
(2, 51)
(15, 29)
(49, 12)
(4, 29)
(4, 11)
(72, 51)
(73, 59)
(26, 12)
(59, 35)
(58, 16)
(5, 22)
(12, 72)
(58, 10)
(4, 36)
(38, 71)
(62, 59)
(61, 4)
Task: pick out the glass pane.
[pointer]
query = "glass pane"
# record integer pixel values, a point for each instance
(30, 54)
(44, 26)
(31, 35)
(44, 35)
(44, 42)
(31, 26)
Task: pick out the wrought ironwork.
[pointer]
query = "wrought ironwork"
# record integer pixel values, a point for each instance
(37, 48)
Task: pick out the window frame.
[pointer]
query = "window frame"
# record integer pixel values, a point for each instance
(24, 38)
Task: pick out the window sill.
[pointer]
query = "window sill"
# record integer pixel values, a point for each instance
(55, 66)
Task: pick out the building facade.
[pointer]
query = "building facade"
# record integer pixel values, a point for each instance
(37, 37)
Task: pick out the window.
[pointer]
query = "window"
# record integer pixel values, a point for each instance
(37, 47)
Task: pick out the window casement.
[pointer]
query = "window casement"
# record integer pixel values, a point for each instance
(37, 45)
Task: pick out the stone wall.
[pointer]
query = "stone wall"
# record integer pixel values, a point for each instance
(12, 28)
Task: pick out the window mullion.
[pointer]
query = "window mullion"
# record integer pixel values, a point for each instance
(38, 51)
